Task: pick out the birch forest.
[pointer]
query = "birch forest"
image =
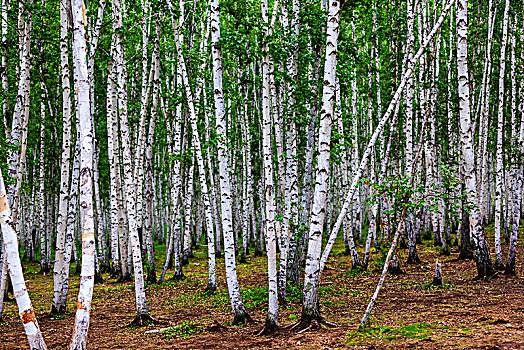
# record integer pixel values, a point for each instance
(261, 174)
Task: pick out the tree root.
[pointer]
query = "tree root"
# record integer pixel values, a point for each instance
(210, 289)
(123, 279)
(178, 278)
(269, 328)
(243, 318)
(216, 327)
(305, 325)
(142, 321)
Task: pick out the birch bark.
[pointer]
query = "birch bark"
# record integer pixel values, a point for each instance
(239, 310)
(58, 268)
(129, 187)
(310, 308)
(482, 255)
(26, 312)
(499, 175)
(86, 132)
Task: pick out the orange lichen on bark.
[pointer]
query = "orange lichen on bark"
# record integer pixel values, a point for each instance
(28, 317)
(3, 204)
(79, 305)
(88, 235)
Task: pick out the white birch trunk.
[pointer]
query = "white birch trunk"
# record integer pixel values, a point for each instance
(499, 172)
(269, 188)
(129, 187)
(482, 256)
(310, 308)
(26, 312)
(86, 133)
(239, 310)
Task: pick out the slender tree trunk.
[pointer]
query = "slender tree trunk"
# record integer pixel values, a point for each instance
(148, 217)
(517, 167)
(239, 311)
(129, 187)
(482, 255)
(3, 71)
(11, 255)
(86, 133)
(499, 174)
(269, 184)
(310, 308)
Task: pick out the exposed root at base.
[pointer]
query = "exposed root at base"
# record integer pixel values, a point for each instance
(308, 324)
(142, 321)
(267, 329)
(210, 289)
(178, 278)
(244, 318)
(54, 312)
(216, 327)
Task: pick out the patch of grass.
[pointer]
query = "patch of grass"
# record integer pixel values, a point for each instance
(357, 272)
(431, 287)
(116, 288)
(255, 297)
(184, 330)
(412, 331)
(338, 253)
(294, 294)
(58, 317)
(325, 291)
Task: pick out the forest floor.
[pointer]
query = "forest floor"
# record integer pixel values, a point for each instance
(464, 313)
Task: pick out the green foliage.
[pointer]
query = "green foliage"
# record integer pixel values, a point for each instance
(294, 294)
(412, 331)
(58, 317)
(184, 330)
(255, 297)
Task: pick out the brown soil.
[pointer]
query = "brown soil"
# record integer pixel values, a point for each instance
(410, 313)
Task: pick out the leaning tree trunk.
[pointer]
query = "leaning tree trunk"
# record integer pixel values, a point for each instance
(27, 314)
(148, 217)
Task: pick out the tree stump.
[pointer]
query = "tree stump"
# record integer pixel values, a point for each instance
(394, 266)
(437, 278)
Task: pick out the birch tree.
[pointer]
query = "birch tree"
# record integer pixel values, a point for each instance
(482, 255)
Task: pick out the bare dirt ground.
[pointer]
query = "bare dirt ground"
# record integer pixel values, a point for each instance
(462, 314)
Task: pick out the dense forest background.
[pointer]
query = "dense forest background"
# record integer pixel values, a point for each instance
(144, 136)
